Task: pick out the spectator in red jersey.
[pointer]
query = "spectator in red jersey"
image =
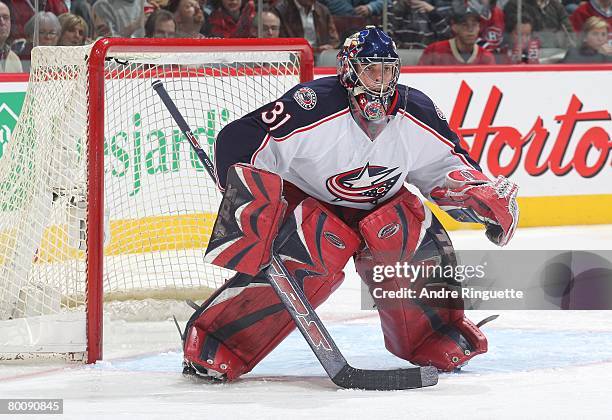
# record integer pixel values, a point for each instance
(599, 8)
(74, 30)
(492, 24)
(232, 19)
(462, 48)
(9, 61)
(520, 45)
(160, 24)
(308, 19)
(595, 47)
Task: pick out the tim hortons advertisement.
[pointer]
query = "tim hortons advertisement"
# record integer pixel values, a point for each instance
(548, 131)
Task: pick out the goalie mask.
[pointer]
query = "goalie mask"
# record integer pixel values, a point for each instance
(368, 67)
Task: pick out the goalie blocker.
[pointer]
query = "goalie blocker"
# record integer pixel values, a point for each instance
(244, 320)
(248, 220)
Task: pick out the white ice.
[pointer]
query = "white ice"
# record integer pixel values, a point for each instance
(540, 364)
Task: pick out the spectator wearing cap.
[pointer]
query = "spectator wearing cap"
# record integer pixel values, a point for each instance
(417, 23)
(595, 47)
(232, 18)
(308, 19)
(462, 48)
(9, 61)
(160, 24)
(270, 23)
(74, 30)
(586, 9)
(520, 45)
(119, 18)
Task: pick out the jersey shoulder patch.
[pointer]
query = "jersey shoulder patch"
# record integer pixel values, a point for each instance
(305, 97)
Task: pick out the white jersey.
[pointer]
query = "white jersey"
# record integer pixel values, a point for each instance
(311, 140)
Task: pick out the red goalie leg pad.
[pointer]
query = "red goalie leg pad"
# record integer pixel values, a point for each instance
(205, 353)
(249, 218)
(413, 327)
(245, 320)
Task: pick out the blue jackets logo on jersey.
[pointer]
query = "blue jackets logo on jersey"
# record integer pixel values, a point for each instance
(363, 185)
(305, 97)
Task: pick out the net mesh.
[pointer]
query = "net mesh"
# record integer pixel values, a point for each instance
(159, 203)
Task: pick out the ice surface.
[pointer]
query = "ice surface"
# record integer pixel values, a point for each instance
(540, 364)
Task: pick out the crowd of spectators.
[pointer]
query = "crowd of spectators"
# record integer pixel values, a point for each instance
(442, 32)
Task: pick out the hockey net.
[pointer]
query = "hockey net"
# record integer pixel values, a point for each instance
(102, 198)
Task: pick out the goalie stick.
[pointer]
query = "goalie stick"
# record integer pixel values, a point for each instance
(302, 312)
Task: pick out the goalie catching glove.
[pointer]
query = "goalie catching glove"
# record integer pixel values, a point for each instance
(469, 196)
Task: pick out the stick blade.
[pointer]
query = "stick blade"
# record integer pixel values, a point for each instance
(386, 380)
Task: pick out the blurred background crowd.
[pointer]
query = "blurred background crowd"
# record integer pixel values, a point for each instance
(427, 32)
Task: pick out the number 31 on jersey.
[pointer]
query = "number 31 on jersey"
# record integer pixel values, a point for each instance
(276, 116)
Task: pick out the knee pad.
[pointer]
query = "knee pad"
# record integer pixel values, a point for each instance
(394, 231)
(415, 328)
(245, 320)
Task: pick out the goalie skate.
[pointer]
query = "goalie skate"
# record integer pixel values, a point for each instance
(194, 370)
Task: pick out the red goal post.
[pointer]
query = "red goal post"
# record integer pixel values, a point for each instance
(117, 202)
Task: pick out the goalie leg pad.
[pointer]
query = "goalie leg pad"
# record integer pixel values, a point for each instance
(415, 329)
(249, 217)
(244, 321)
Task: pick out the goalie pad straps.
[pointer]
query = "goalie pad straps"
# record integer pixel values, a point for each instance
(469, 196)
(422, 331)
(249, 217)
(245, 320)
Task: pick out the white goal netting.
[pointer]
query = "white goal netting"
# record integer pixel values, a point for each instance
(159, 203)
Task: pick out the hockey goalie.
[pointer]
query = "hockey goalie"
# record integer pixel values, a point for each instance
(318, 176)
